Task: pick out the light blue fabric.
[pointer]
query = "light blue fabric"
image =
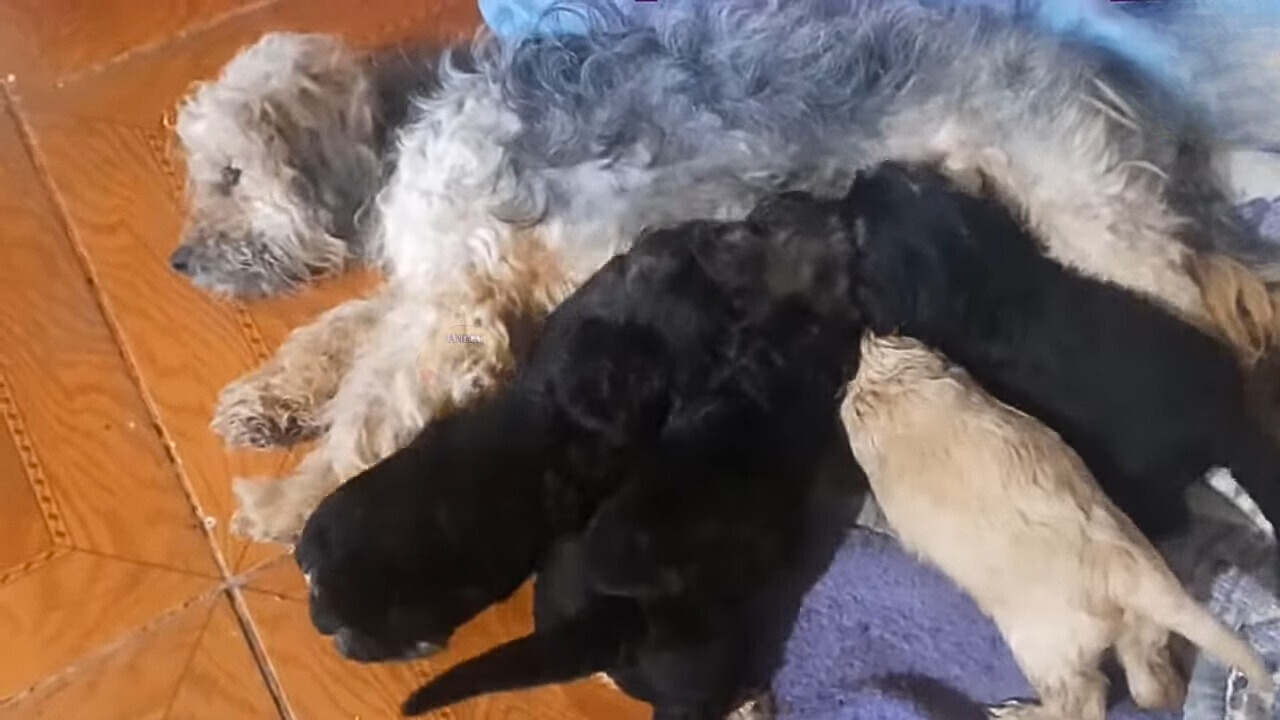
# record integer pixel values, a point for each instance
(510, 19)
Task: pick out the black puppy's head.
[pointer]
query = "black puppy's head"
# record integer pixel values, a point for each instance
(915, 234)
(400, 556)
(809, 251)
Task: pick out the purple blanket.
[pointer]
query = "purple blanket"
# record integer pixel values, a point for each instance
(884, 637)
(1263, 216)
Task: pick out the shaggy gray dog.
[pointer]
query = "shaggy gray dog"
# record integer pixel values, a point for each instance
(517, 173)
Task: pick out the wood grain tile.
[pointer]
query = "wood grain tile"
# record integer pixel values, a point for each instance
(143, 87)
(139, 677)
(91, 437)
(320, 685)
(54, 38)
(190, 665)
(76, 604)
(222, 680)
(184, 345)
(24, 533)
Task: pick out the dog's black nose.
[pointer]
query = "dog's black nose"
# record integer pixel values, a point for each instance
(180, 260)
(326, 623)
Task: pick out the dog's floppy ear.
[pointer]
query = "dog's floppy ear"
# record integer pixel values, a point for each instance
(329, 148)
(622, 559)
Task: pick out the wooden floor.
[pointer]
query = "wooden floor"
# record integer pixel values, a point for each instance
(122, 595)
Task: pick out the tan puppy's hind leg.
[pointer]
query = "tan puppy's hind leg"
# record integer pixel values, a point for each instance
(1154, 682)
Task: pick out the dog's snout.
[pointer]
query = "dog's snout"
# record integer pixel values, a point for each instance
(353, 645)
(181, 258)
(348, 647)
(325, 622)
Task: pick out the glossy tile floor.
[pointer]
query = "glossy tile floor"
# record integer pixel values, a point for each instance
(122, 595)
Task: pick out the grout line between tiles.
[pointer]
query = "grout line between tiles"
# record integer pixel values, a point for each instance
(137, 636)
(27, 136)
(259, 649)
(191, 658)
(265, 669)
(150, 564)
(161, 43)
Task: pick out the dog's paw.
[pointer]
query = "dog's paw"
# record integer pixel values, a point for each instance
(249, 414)
(1016, 710)
(267, 512)
(758, 707)
(1159, 686)
(604, 679)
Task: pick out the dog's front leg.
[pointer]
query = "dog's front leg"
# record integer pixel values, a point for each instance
(282, 402)
(389, 393)
(430, 353)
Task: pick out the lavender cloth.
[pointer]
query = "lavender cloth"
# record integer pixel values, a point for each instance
(1263, 216)
(884, 637)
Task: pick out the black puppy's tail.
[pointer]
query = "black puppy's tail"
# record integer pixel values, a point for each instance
(587, 643)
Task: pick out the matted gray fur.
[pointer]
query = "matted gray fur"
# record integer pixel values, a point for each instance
(519, 171)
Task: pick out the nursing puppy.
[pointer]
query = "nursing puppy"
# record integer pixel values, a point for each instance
(413, 547)
(686, 583)
(1147, 400)
(1001, 505)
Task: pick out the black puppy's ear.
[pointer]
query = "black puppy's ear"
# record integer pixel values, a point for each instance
(621, 556)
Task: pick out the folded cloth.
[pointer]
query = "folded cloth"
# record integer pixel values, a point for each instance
(1230, 560)
(1263, 216)
(511, 19)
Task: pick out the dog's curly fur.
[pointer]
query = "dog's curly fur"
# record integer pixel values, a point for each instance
(1150, 402)
(564, 147)
(663, 347)
(1006, 509)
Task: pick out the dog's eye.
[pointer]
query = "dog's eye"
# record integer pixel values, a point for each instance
(230, 176)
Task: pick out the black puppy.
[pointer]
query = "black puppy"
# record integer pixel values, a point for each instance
(400, 556)
(1148, 401)
(685, 585)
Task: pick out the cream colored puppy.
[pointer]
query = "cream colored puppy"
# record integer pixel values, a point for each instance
(1000, 504)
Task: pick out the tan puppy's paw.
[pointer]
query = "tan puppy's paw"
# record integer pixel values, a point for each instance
(1020, 710)
(268, 512)
(1159, 686)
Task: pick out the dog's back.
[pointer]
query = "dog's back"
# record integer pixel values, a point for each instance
(1149, 401)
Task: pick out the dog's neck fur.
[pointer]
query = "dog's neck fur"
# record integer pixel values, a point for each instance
(398, 78)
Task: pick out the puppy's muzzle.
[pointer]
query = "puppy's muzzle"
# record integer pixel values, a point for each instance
(325, 623)
(353, 646)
